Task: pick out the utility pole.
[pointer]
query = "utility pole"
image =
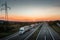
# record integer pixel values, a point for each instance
(6, 10)
(6, 14)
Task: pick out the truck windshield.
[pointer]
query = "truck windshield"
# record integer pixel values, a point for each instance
(21, 30)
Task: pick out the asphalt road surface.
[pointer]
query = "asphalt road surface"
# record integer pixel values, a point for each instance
(18, 36)
(47, 33)
(25, 35)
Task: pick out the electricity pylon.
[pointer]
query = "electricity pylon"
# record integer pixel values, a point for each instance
(6, 14)
(6, 10)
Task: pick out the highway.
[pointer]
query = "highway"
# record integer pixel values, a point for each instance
(18, 36)
(47, 33)
(22, 36)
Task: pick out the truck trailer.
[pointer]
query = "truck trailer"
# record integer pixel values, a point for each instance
(24, 29)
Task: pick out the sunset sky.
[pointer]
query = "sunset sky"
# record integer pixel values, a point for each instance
(32, 10)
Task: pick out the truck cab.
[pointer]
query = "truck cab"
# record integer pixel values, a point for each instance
(21, 30)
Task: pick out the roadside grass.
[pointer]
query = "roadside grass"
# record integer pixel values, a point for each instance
(4, 34)
(56, 28)
(34, 36)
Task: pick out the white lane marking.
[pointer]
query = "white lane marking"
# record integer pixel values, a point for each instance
(45, 37)
(51, 34)
(38, 34)
(13, 36)
(31, 33)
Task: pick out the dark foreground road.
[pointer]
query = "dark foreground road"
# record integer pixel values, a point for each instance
(47, 33)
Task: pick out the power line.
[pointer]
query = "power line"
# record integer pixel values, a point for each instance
(6, 10)
(6, 14)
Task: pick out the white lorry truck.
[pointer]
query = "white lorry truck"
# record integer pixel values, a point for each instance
(24, 29)
(58, 24)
